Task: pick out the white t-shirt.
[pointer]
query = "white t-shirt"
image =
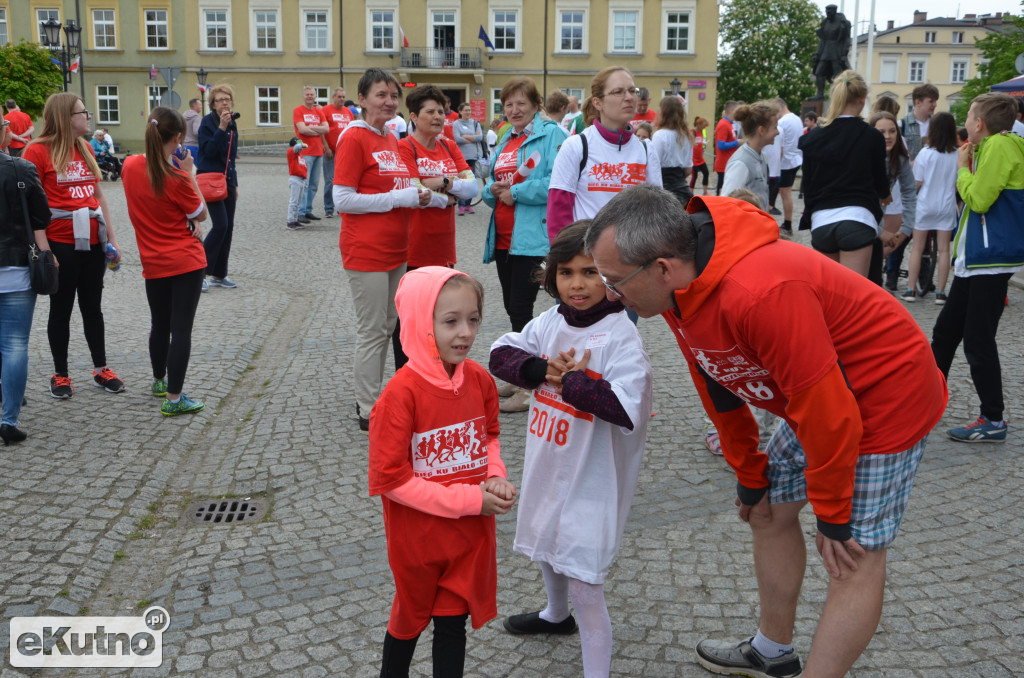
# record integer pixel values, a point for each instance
(492, 141)
(396, 126)
(790, 131)
(665, 143)
(569, 117)
(580, 471)
(773, 155)
(936, 199)
(608, 170)
(1018, 128)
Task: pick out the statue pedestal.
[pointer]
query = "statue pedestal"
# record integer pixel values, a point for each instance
(816, 105)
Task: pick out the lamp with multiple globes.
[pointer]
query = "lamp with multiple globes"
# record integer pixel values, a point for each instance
(69, 54)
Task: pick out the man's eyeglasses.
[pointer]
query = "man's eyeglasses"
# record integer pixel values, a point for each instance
(622, 92)
(614, 287)
(83, 112)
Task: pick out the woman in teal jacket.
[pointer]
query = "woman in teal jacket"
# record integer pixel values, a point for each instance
(517, 237)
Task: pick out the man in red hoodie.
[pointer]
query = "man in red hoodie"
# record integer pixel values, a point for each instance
(774, 325)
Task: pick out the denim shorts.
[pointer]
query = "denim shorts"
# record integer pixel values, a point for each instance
(842, 236)
(881, 487)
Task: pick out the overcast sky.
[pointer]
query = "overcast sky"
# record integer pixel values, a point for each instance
(902, 11)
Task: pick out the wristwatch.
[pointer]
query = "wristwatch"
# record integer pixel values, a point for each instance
(445, 183)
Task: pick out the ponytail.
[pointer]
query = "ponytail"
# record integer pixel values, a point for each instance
(163, 125)
(848, 86)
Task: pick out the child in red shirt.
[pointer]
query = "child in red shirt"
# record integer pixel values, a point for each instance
(297, 174)
(435, 460)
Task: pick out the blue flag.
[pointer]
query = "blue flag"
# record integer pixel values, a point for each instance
(56, 61)
(483, 36)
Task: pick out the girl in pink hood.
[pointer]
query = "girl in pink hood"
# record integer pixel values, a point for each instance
(435, 460)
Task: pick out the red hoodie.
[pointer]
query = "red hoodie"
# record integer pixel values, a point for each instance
(788, 330)
(433, 440)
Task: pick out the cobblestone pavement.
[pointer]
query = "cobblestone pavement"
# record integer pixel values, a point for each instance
(91, 505)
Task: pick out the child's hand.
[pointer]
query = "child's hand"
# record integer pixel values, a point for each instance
(557, 367)
(581, 365)
(963, 156)
(500, 487)
(493, 504)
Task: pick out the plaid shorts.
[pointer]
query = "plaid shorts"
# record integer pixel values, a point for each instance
(881, 487)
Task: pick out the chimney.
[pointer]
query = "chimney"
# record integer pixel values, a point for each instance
(890, 25)
(920, 16)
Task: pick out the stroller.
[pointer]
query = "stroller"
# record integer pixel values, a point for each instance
(110, 166)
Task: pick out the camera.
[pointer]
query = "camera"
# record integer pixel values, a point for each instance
(236, 116)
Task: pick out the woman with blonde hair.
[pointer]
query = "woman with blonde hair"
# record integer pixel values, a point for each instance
(218, 147)
(165, 207)
(846, 184)
(79, 232)
(673, 143)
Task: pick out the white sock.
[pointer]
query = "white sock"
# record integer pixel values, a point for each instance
(768, 647)
(595, 627)
(176, 399)
(557, 586)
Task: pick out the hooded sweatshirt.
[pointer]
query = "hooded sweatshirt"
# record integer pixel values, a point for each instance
(788, 330)
(433, 440)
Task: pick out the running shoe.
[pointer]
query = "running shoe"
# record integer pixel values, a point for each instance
(159, 388)
(106, 379)
(185, 405)
(311, 216)
(729, 658)
(224, 282)
(60, 387)
(910, 295)
(940, 298)
(712, 440)
(981, 431)
(294, 226)
(206, 285)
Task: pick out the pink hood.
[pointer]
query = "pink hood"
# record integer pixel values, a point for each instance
(415, 299)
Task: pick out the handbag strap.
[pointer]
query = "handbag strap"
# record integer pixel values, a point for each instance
(231, 136)
(22, 190)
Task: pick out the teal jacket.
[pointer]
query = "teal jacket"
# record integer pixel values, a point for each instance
(530, 232)
(991, 224)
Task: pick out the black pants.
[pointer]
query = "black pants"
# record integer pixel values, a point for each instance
(518, 286)
(773, 191)
(971, 314)
(172, 307)
(702, 169)
(81, 274)
(449, 650)
(721, 181)
(218, 241)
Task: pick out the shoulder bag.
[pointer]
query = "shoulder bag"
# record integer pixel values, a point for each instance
(214, 185)
(42, 265)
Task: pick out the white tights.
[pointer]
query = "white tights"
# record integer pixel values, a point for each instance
(591, 615)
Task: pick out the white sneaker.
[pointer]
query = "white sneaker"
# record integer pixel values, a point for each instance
(206, 285)
(224, 282)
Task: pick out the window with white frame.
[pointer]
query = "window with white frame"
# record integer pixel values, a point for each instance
(573, 92)
(497, 109)
(153, 95)
(678, 29)
(265, 29)
(157, 30)
(323, 95)
(382, 30)
(889, 69)
(42, 16)
(315, 30)
(104, 29)
(268, 106)
(108, 109)
(4, 34)
(625, 30)
(958, 37)
(572, 33)
(958, 70)
(917, 70)
(929, 36)
(215, 29)
(505, 29)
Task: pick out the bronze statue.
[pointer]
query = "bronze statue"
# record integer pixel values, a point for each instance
(833, 47)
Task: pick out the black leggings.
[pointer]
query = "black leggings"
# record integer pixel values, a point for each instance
(702, 169)
(518, 286)
(218, 240)
(449, 650)
(721, 181)
(80, 273)
(172, 307)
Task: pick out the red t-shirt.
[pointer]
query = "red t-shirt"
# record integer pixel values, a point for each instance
(166, 245)
(73, 189)
(505, 215)
(297, 164)
(373, 164)
(432, 231)
(310, 116)
(724, 131)
(698, 148)
(338, 119)
(449, 125)
(442, 566)
(649, 116)
(20, 122)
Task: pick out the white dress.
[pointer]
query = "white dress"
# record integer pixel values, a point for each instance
(936, 199)
(580, 471)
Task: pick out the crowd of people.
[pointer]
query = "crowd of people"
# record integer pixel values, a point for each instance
(596, 204)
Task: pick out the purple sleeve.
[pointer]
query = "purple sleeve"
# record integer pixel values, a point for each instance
(594, 396)
(560, 207)
(518, 367)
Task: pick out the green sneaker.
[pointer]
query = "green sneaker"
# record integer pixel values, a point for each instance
(159, 388)
(185, 405)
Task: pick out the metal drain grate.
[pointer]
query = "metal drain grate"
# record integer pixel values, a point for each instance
(226, 511)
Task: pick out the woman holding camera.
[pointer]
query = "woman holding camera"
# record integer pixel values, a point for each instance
(218, 147)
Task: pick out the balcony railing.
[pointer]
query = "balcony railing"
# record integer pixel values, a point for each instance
(442, 57)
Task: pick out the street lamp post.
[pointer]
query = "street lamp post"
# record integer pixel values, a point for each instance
(201, 77)
(65, 54)
(676, 86)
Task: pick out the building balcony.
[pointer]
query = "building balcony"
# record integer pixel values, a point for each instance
(434, 58)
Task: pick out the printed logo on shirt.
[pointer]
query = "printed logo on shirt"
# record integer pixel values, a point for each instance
(434, 168)
(311, 118)
(614, 176)
(389, 162)
(341, 120)
(76, 171)
(729, 365)
(449, 449)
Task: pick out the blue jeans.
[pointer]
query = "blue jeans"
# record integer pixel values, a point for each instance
(328, 183)
(314, 164)
(16, 309)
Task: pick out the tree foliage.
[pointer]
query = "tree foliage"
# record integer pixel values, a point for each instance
(1001, 49)
(767, 50)
(28, 76)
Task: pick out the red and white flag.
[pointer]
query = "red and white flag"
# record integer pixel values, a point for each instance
(202, 87)
(405, 40)
(75, 65)
(526, 168)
